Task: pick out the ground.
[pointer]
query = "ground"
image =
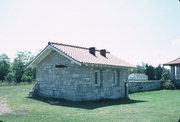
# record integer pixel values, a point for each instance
(4, 108)
(160, 106)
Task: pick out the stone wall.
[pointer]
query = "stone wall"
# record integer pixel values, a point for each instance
(138, 86)
(177, 83)
(76, 82)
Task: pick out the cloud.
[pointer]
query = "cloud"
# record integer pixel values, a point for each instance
(175, 43)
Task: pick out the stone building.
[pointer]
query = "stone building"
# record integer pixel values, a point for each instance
(78, 73)
(175, 71)
(138, 77)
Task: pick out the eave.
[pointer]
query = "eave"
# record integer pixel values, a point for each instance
(45, 52)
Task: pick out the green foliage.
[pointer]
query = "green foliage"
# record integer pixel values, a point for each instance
(26, 78)
(22, 73)
(165, 75)
(158, 72)
(168, 85)
(166, 82)
(153, 73)
(150, 72)
(10, 77)
(17, 71)
(4, 66)
(139, 69)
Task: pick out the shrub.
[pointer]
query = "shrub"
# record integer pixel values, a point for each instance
(5, 83)
(10, 77)
(13, 83)
(26, 78)
(166, 82)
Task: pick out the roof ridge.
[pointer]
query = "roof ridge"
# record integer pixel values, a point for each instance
(67, 45)
(72, 46)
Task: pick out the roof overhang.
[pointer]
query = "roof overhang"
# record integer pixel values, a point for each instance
(173, 63)
(45, 52)
(107, 66)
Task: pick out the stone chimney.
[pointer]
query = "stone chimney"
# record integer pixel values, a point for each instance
(103, 52)
(92, 50)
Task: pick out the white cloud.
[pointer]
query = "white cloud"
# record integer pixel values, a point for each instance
(175, 43)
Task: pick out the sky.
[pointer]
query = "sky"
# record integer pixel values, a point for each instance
(134, 30)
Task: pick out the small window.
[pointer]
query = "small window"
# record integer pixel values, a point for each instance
(98, 77)
(60, 66)
(116, 78)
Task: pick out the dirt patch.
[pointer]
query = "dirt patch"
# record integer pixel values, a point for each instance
(4, 107)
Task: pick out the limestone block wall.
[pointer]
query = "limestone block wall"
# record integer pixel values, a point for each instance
(138, 86)
(76, 82)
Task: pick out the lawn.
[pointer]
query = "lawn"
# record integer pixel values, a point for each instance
(155, 106)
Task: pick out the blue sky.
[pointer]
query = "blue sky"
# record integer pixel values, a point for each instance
(134, 30)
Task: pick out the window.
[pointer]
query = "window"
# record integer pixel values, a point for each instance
(116, 78)
(60, 66)
(96, 78)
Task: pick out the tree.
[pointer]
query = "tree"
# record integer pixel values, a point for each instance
(28, 75)
(4, 66)
(10, 77)
(150, 72)
(139, 68)
(165, 75)
(158, 71)
(19, 66)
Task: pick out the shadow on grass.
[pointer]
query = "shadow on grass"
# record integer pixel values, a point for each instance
(86, 104)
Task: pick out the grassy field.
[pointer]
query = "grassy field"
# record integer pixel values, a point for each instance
(156, 106)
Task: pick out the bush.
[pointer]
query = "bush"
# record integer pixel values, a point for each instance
(13, 83)
(10, 77)
(26, 78)
(168, 84)
(5, 83)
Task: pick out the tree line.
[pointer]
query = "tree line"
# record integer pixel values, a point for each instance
(16, 71)
(156, 73)
(153, 73)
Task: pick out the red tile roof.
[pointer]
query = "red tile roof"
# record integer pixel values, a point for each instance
(82, 55)
(174, 62)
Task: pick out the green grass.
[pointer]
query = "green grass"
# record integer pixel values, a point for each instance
(156, 106)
